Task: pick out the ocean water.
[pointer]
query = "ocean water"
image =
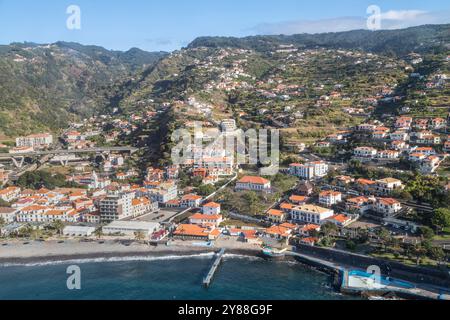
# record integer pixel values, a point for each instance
(166, 278)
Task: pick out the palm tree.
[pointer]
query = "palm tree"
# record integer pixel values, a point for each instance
(2, 222)
(139, 236)
(58, 225)
(419, 251)
(98, 233)
(385, 237)
(26, 231)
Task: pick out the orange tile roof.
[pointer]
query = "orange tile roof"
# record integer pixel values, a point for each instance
(310, 240)
(250, 234)
(212, 205)
(274, 212)
(340, 218)
(191, 230)
(388, 201)
(329, 193)
(297, 198)
(278, 230)
(310, 227)
(288, 226)
(358, 200)
(140, 201)
(365, 182)
(191, 197)
(254, 180)
(34, 208)
(286, 206)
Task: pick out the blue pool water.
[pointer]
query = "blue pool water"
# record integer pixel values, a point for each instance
(383, 280)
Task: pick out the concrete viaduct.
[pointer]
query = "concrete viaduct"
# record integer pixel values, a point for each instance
(18, 159)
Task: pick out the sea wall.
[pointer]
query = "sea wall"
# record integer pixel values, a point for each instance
(397, 270)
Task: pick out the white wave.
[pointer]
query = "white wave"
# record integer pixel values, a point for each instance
(110, 259)
(229, 256)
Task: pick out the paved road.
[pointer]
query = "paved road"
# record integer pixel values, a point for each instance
(62, 151)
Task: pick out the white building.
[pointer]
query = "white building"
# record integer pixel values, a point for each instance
(78, 231)
(311, 214)
(35, 140)
(387, 206)
(116, 207)
(365, 152)
(430, 165)
(310, 170)
(388, 154)
(8, 214)
(253, 184)
(162, 192)
(9, 194)
(228, 125)
(129, 228)
(388, 185)
(211, 208)
(330, 198)
(399, 136)
(205, 219)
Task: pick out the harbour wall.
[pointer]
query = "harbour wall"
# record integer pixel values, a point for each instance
(394, 269)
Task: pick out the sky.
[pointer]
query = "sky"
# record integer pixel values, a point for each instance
(168, 25)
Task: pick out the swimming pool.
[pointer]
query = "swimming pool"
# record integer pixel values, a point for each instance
(383, 280)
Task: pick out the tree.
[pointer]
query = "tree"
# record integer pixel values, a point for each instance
(98, 233)
(385, 237)
(419, 252)
(58, 225)
(26, 231)
(2, 224)
(329, 229)
(441, 218)
(4, 203)
(205, 190)
(253, 202)
(139, 236)
(437, 253)
(426, 232)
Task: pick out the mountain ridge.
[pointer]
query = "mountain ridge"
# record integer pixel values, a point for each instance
(401, 41)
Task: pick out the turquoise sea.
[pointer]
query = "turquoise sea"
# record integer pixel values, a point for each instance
(166, 278)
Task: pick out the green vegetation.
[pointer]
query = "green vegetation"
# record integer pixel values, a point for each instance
(50, 86)
(392, 41)
(40, 179)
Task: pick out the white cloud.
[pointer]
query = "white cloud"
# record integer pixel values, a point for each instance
(393, 19)
(402, 14)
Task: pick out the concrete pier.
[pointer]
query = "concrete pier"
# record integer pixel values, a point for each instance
(218, 259)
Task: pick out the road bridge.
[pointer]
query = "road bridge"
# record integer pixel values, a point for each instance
(19, 158)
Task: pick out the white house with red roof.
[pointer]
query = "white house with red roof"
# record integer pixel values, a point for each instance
(211, 208)
(365, 152)
(252, 183)
(330, 198)
(206, 219)
(191, 201)
(341, 220)
(9, 194)
(387, 206)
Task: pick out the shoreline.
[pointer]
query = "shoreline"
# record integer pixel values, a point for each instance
(57, 253)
